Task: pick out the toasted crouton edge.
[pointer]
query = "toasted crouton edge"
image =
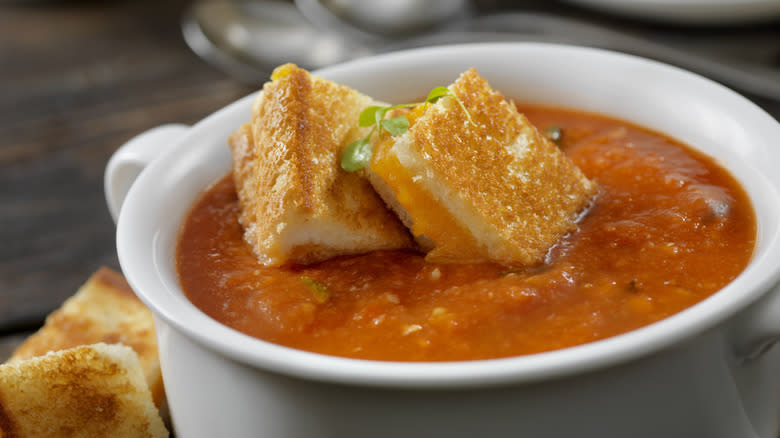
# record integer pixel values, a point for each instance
(96, 390)
(104, 309)
(491, 239)
(297, 204)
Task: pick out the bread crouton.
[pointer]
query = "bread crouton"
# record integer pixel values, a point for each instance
(104, 309)
(481, 185)
(89, 391)
(297, 204)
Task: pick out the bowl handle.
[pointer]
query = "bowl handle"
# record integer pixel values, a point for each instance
(758, 328)
(130, 159)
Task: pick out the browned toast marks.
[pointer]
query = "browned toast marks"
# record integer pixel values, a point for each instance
(495, 189)
(297, 204)
(104, 309)
(88, 391)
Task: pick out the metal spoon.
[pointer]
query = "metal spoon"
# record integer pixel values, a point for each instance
(373, 21)
(247, 39)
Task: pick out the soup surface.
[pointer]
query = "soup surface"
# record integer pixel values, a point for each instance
(668, 228)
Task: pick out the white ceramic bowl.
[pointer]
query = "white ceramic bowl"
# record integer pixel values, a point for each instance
(702, 372)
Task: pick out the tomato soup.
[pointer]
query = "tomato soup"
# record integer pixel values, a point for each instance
(668, 228)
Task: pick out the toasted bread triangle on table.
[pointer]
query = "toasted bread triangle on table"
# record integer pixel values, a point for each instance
(297, 204)
(96, 390)
(481, 184)
(104, 309)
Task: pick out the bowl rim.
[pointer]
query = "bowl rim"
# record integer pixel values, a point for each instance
(146, 279)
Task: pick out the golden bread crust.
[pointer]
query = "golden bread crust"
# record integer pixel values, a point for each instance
(297, 204)
(87, 391)
(499, 179)
(104, 309)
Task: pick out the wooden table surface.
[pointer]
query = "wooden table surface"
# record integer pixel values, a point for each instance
(78, 79)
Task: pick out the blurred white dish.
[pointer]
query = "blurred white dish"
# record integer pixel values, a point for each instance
(691, 11)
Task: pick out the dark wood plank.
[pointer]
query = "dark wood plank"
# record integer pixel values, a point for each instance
(9, 343)
(77, 79)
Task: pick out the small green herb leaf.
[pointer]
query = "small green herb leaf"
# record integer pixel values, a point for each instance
(370, 115)
(318, 290)
(437, 93)
(378, 116)
(554, 133)
(357, 154)
(396, 125)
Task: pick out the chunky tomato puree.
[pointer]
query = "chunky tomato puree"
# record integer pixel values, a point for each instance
(668, 228)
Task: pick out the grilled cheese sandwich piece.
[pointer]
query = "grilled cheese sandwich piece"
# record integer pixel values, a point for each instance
(492, 190)
(89, 391)
(297, 204)
(104, 309)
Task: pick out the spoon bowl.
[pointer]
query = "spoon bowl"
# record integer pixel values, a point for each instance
(369, 19)
(247, 39)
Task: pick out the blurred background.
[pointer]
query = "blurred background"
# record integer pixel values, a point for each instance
(78, 78)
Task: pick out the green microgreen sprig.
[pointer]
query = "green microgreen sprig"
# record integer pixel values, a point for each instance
(358, 154)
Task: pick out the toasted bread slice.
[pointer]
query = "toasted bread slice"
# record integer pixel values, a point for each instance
(104, 309)
(89, 391)
(492, 190)
(297, 204)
